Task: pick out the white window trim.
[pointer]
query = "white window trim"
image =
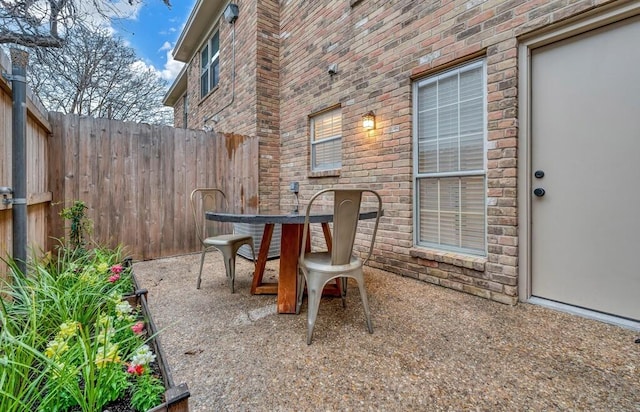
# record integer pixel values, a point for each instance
(417, 176)
(209, 64)
(185, 110)
(335, 165)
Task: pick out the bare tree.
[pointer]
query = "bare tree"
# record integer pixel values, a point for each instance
(45, 23)
(96, 74)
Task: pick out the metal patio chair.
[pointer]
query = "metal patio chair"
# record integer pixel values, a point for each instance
(316, 269)
(203, 199)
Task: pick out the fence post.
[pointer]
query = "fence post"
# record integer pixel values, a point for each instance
(19, 60)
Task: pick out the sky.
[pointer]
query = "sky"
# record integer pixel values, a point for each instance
(152, 31)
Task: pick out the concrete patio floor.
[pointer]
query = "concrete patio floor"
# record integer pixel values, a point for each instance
(432, 348)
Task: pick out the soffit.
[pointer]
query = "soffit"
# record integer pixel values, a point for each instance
(203, 17)
(177, 89)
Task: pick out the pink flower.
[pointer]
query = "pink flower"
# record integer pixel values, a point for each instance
(135, 369)
(138, 328)
(114, 278)
(116, 269)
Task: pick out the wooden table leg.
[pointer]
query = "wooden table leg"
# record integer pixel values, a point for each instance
(287, 280)
(257, 287)
(327, 236)
(329, 289)
(286, 288)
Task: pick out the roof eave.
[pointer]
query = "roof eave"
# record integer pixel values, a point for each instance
(203, 16)
(177, 89)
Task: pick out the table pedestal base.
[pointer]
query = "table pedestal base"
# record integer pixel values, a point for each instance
(286, 288)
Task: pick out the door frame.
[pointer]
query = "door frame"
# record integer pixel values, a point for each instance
(585, 22)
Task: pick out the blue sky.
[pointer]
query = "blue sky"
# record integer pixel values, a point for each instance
(154, 31)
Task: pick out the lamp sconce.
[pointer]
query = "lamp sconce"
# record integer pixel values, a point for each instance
(369, 121)
(231, 13)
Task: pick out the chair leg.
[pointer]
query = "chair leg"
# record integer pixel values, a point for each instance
(365, 302)
(200, 272)
(343, 294)
(300, 291)
(253, 253)
(314, 294)
(230, 267)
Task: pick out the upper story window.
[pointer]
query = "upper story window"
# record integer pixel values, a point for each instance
(185, 110)
(326, 140)
(449, 160)
(210, 64)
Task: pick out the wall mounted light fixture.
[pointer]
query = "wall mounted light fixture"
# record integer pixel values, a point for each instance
(369, 121)
(231, 13)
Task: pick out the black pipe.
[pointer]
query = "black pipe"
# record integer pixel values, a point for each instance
(19, 59)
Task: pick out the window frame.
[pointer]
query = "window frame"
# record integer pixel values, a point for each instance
(185, 110)
(437, 176)
(333, 166)
(210, 70)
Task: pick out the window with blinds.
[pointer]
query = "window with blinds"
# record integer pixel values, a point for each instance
(449, 160)
(210, 65)
(326, 141)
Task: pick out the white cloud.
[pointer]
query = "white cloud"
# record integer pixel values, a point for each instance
(169, 31)
(101, 15)
(120, 9)
(171, 67)
(142, 66)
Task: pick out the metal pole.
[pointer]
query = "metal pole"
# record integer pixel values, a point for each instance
(19, 59)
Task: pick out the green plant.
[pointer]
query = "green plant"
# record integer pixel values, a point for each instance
(80, 225)
(20, 379)
(147, 392)
(68, 340)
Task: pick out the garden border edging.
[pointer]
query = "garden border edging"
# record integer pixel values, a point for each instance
(176, 396)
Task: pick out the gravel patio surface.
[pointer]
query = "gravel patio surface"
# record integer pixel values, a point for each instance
(432, 348)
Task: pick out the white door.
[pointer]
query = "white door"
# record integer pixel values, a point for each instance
(585, 138)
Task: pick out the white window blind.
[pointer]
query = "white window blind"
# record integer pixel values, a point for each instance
(210, 65)
(326, 141)
(449, 160)
(204, 71)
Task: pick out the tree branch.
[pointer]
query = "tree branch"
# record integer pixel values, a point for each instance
(31, 40)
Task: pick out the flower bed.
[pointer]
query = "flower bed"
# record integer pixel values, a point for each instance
(176, 396)
(76, 335)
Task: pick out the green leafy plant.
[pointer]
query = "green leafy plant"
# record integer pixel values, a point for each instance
(22, 366)
(68, 339)
(80, 225)
(147, 392)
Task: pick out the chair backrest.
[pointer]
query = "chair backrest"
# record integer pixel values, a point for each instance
(203, 199)
(347, 205)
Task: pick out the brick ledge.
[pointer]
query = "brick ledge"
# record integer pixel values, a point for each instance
(456, 259)
(324, 173)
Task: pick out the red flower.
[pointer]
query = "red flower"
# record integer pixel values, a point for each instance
(116, 269)
(114, 278)
(138, 328)
(135, 369)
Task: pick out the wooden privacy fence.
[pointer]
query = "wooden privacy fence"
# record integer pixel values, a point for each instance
(38, 192)
(136, 179)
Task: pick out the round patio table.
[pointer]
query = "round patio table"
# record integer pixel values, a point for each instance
(290, 243)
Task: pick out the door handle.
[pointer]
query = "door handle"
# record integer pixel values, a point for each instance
(538, 191)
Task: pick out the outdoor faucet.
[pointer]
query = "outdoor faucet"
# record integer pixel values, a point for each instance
(5, 192)
(295, 188)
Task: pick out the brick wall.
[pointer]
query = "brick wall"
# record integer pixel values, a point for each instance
(380, 48)
(249, 106)
(283, 50)
(267, 100)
